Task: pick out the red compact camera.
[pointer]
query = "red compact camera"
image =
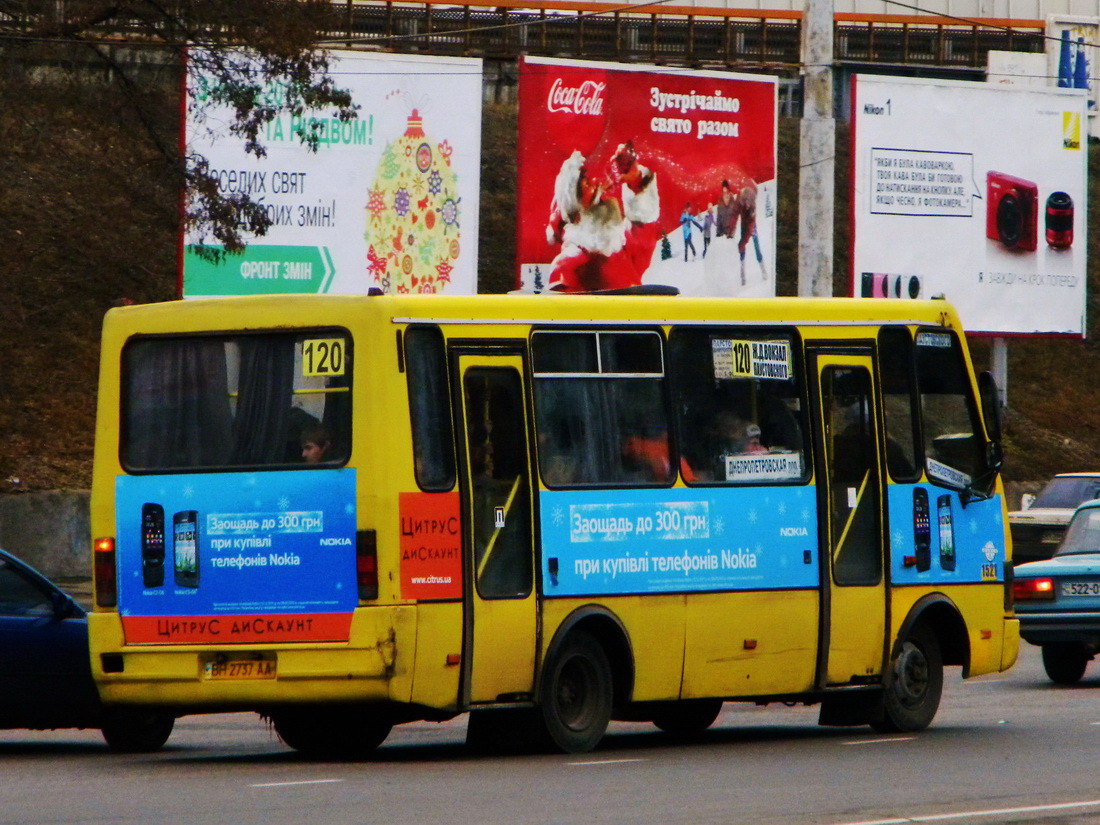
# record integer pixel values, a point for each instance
(1012, 211)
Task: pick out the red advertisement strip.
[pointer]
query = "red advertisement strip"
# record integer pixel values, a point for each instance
(431, 546)
(288, 627)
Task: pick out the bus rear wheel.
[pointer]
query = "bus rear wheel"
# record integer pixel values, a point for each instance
(576, 694)
(136, 730)
(913, 684)
(689, 717)
(329, 733)
(1065, 662)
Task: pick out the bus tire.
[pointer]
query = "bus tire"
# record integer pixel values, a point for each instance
(576, 694)
(1065, 662)
(913, 683)
(689, 717)
(326, 733)
(136, 730)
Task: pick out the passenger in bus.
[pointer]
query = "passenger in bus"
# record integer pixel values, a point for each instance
(316, 444)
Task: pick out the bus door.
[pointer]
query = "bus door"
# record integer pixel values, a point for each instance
(499, 624)
(850, 495)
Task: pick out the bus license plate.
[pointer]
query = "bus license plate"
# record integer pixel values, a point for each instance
(239, 668)
(1081, 589)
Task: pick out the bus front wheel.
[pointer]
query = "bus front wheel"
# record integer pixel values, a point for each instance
(136, 730)
(576, 694)
(330, 733)
(913, 683)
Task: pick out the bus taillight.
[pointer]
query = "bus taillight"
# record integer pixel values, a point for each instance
(1026, 590)
(106, 582)
(366, 564)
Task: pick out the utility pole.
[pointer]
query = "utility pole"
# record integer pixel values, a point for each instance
(817, 153)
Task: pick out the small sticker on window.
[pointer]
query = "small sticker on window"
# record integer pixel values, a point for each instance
(770, 360)
(323, 356)
(940, 340)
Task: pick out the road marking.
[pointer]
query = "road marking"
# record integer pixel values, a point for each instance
(1029, 809)
(608, 762)
(881, 741)
(298, 782)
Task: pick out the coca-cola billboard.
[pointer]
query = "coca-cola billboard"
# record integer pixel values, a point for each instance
(632, 175)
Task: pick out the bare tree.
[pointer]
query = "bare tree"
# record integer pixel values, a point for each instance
(241, 50)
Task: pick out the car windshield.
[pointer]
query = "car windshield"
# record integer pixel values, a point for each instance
(1083, 535)
(1067, 492)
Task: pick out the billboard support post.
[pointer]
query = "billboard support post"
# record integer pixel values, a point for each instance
(817, 154)
(1000, 370)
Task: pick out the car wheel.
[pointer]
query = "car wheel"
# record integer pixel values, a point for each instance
(576, 695)
(1065, 662)
(688, 718)
(135, 730)
(912, 684)
(327, 733)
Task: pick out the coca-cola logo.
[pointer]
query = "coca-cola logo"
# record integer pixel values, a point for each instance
(585, 99)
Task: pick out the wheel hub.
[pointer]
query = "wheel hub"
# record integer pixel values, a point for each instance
(910, 675)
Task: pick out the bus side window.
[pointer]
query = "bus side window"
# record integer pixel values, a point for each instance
(430, 408)
(897, 383)
(600, 408)
(737, 397)
(953, 446)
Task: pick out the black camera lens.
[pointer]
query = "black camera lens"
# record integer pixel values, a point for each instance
(1010, 220)
(1059, 220)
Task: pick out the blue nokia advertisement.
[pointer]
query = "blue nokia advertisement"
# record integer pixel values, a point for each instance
(207, 544)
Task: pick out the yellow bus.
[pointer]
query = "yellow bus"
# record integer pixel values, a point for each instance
(346, 513)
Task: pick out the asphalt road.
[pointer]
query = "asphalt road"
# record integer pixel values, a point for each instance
(1008, 748)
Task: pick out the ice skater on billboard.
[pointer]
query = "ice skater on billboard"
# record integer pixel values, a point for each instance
(606, 223)
(740, 207)
(687, 220)
(708, 226)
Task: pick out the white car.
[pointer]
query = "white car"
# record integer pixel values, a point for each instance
(1037, 529)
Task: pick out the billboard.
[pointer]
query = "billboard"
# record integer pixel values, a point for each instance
(634, 175)
(949, 201)
(1071, 46)
(389, 200)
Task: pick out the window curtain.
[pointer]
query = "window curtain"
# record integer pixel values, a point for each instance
(265, 390)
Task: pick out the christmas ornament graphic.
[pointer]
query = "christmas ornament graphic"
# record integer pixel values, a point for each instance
(413, 214)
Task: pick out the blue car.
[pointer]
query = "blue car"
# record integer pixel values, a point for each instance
(45, 669)
(1058, 599)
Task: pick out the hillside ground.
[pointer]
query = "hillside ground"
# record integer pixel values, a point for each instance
(88, 220)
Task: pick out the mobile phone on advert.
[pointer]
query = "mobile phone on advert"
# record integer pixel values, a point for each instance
(922, 529)
(185, 543)
(947, 533)
(152, 545)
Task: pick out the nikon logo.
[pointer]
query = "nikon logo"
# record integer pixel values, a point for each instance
(1071, 130)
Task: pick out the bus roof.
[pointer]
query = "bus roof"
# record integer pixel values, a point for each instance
(273, 310)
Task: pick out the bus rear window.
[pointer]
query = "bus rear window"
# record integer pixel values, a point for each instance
(208, 402)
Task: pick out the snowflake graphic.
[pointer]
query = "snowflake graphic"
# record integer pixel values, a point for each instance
(782, 508)
(719, 526)
(558, 516)
(339, 585)
(973, 527)
(805, 514)
(284, 503)
(449, 213)
(897, 539)
(349, 509)
(376, 203)
(753, 516)
(401, 201)
(188, 491)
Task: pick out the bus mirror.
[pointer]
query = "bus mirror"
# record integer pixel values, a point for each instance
(991, 405)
